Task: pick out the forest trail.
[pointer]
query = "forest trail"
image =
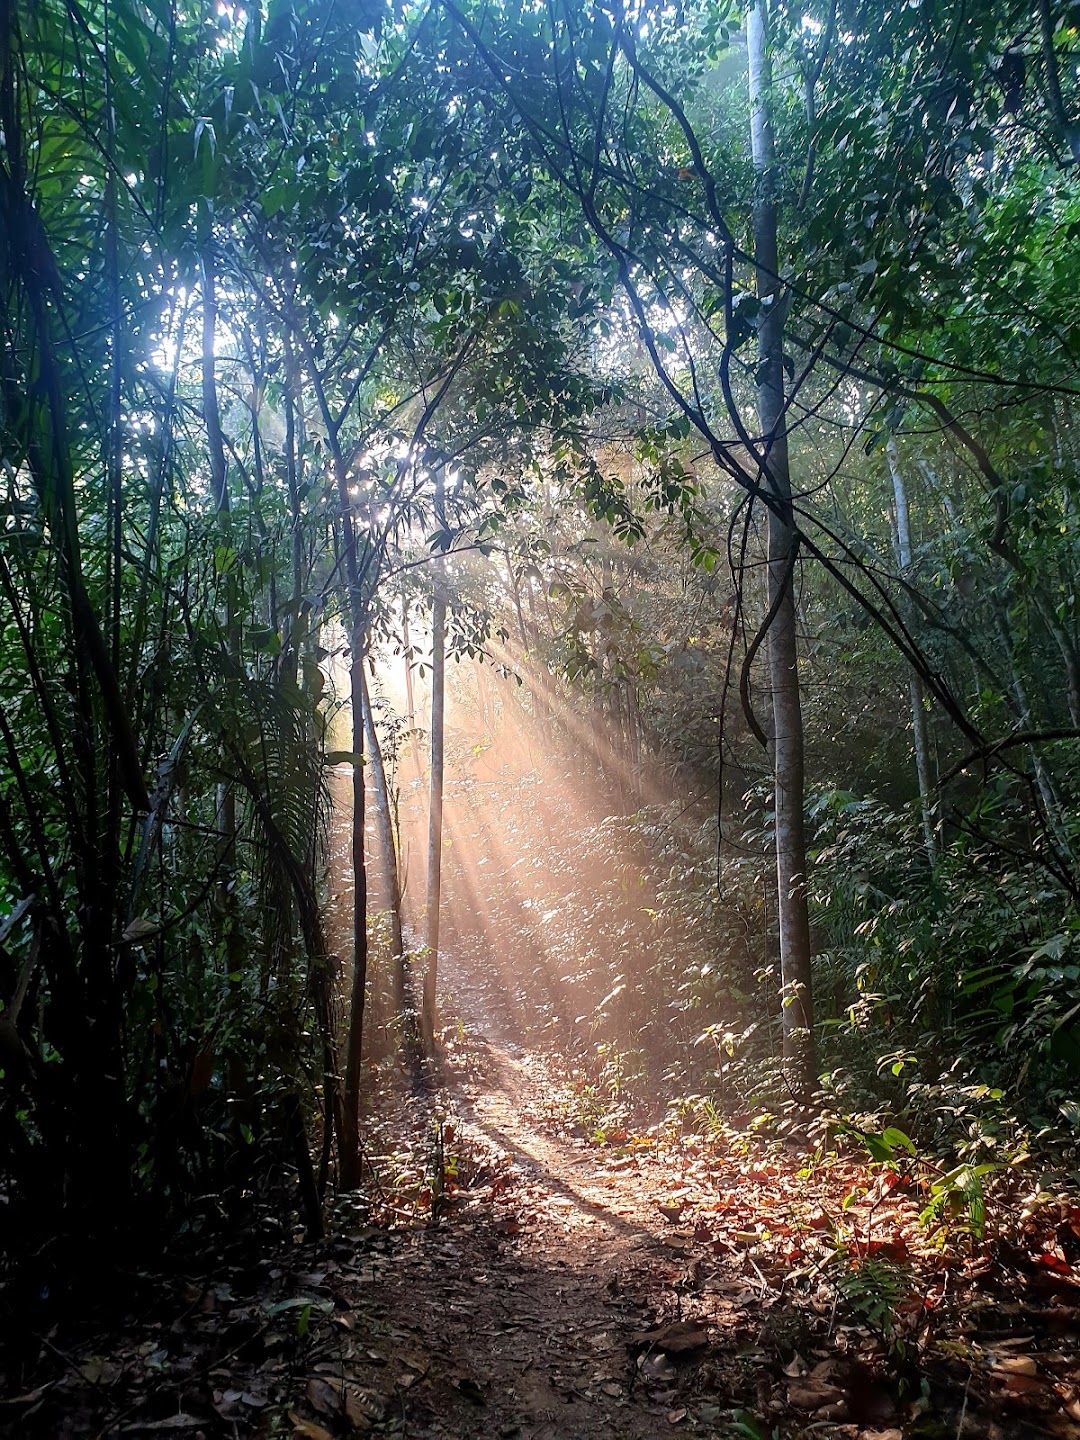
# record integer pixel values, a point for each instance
(557, 1301)
(552, 1288)
(631, 1291)
(528, 1310)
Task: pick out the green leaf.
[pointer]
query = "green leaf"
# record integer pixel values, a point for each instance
(896, 1140)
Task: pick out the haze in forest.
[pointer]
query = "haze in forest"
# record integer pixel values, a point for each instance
(539, 694)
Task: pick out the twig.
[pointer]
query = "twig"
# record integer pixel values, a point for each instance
(963, 1408)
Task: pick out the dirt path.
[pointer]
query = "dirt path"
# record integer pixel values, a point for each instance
(570, 1291)
(543, 1309)
(582, 1292)
(559, 1301)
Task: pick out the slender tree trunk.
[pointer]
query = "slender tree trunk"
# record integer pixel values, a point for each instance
(237, 1078)
(515, 591)
(1069, 654)
(1024, 715)
(787, 722)
(355, 575)
(435, 802)
(410, 696)
(294, 477)
(385, 820)
(157, 490)
(350, 1150)
(916, 688)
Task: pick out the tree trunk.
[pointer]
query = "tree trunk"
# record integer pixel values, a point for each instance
(916, 689)
(410, 697)
(355, 575)
(787, 722)
(435, 803)
(350, 1150)
(236, 1068)
(385, 820)
(1043, 783)
(292, 631)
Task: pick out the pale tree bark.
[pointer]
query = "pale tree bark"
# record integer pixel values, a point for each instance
(349, 1141)
(350, 1146)
(435, 802)
(916, 689)
(294, 475)
(385, 820)
(787, 720)
(410, 697)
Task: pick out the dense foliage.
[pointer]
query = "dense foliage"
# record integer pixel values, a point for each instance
(301, 305)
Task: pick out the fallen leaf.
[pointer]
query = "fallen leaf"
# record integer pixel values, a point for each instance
(174, 1422)
(658, 1367)
(363, 1408)
(1018, 1365)
(30, 1398)
(809, 1394)
(1025, 1384)
(323, 1397)
(895, 1249)
(680, 1337)
(835, 1410)
(93, 1371)
(308, 1428)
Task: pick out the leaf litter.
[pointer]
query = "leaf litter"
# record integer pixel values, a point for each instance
(545, 1287)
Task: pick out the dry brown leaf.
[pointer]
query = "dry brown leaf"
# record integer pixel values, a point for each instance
(810, 1394)
(1025, 1384)
(363, 1408)
(658, 1368)
(323, 1397)
(308, 1428)
(1018, 1365)
(680, 1337)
